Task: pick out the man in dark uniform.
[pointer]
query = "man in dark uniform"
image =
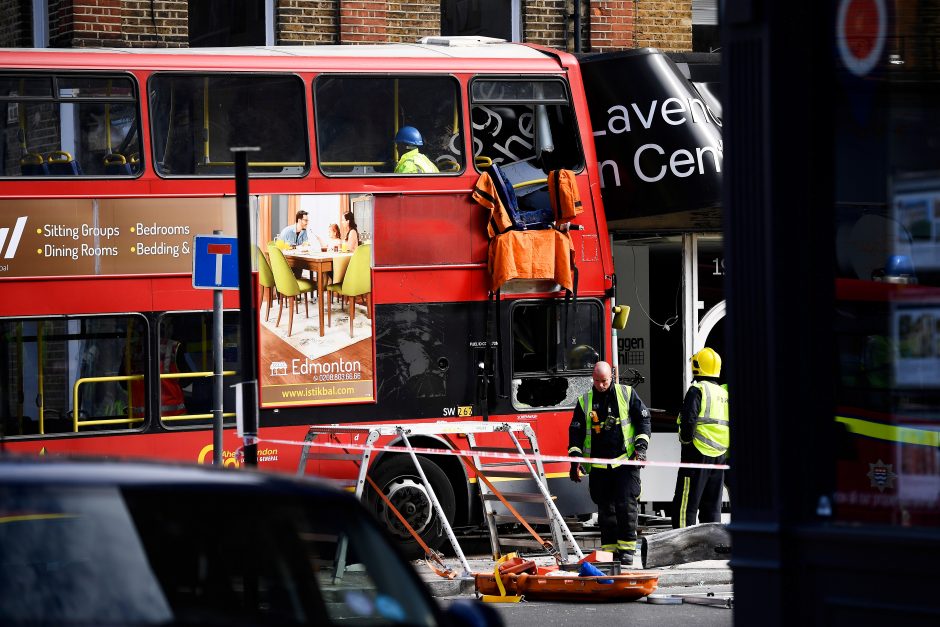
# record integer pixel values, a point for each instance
(611, 421)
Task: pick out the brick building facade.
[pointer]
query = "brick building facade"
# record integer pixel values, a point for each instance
(605, 25)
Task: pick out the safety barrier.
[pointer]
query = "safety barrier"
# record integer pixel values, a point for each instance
(495, 455)
(364, 441)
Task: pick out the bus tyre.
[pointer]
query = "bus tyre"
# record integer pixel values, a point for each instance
(399, 480)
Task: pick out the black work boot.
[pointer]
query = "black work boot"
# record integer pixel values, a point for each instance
(626, 558)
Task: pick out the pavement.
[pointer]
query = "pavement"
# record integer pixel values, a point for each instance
(692, 575)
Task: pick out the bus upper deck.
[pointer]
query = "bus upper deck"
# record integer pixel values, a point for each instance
(113, 160)
(318, 114)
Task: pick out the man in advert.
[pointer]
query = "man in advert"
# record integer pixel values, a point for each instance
(296, 234)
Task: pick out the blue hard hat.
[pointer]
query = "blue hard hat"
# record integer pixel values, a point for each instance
(899, 265)
(409, 135)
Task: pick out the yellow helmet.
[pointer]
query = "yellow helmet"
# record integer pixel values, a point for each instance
(706, 363)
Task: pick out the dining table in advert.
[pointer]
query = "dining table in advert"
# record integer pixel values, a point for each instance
(319, 263)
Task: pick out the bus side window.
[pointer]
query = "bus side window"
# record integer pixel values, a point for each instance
(185, 353)
(554, 349)
(357, 121)
(70, 126)
(522, 120)
(73, 375)
(197, 119)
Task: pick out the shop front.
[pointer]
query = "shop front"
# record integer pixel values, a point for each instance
(657, 128)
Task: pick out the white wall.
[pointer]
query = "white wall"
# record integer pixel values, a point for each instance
(323, 210)
(633, 288)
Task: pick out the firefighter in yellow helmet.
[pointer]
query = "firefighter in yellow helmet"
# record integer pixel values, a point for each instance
(704, 435)
(610, 421)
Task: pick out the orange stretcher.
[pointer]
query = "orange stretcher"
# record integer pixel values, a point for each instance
(543, 587)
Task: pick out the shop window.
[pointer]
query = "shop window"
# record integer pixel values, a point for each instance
(554, 348)
(358, 118)
(69, 126)
(886, 322)
(45, 359)
(197, 120)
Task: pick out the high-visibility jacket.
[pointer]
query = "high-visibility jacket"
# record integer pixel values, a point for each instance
(172, 402)
(712, 435)
(413, 162)
(624, 392)
(486, 194)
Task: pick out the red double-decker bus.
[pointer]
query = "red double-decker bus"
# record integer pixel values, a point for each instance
(112, 161)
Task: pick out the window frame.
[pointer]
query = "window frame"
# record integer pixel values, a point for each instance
(231, 74)
(190, 424)
(576, 378)
(569, 102)
(595, 303)
(136, 428)
(54, 98)
(459, 99)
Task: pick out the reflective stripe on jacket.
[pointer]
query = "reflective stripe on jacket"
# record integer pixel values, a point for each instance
(712, 432)
(624, 393)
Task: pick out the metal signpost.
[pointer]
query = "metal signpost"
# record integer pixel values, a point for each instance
(248, 407)
(215, 268)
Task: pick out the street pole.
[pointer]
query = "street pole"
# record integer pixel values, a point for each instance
(614, 352)
(246, 310)
(217, 389)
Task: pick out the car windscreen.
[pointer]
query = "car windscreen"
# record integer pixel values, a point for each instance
(100, 555)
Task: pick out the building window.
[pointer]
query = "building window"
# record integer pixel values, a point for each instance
(485, 18)
(40, 23)
(705, 33)
(214, 23)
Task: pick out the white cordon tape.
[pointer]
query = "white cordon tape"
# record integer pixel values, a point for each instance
(492, 455)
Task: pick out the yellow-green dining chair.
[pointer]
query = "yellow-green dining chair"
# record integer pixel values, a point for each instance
(289, 286)
(356, 282)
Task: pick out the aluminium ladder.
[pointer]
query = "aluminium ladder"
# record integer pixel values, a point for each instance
(368, 434)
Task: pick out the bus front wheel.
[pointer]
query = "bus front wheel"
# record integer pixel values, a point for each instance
(398, 479)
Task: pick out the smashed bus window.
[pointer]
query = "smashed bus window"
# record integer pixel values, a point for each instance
(554, 348)
(524, 120)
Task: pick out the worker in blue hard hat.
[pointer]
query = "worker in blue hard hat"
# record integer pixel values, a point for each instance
(409, 142)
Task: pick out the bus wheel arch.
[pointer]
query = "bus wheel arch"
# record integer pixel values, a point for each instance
(467, 501)
(398, 479)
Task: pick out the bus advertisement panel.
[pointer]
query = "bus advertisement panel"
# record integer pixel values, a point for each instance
(325, 357)
(108, 236)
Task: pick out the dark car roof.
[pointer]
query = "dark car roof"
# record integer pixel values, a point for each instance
(84, 471)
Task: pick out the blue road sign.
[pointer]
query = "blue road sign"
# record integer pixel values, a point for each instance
(215, 262)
